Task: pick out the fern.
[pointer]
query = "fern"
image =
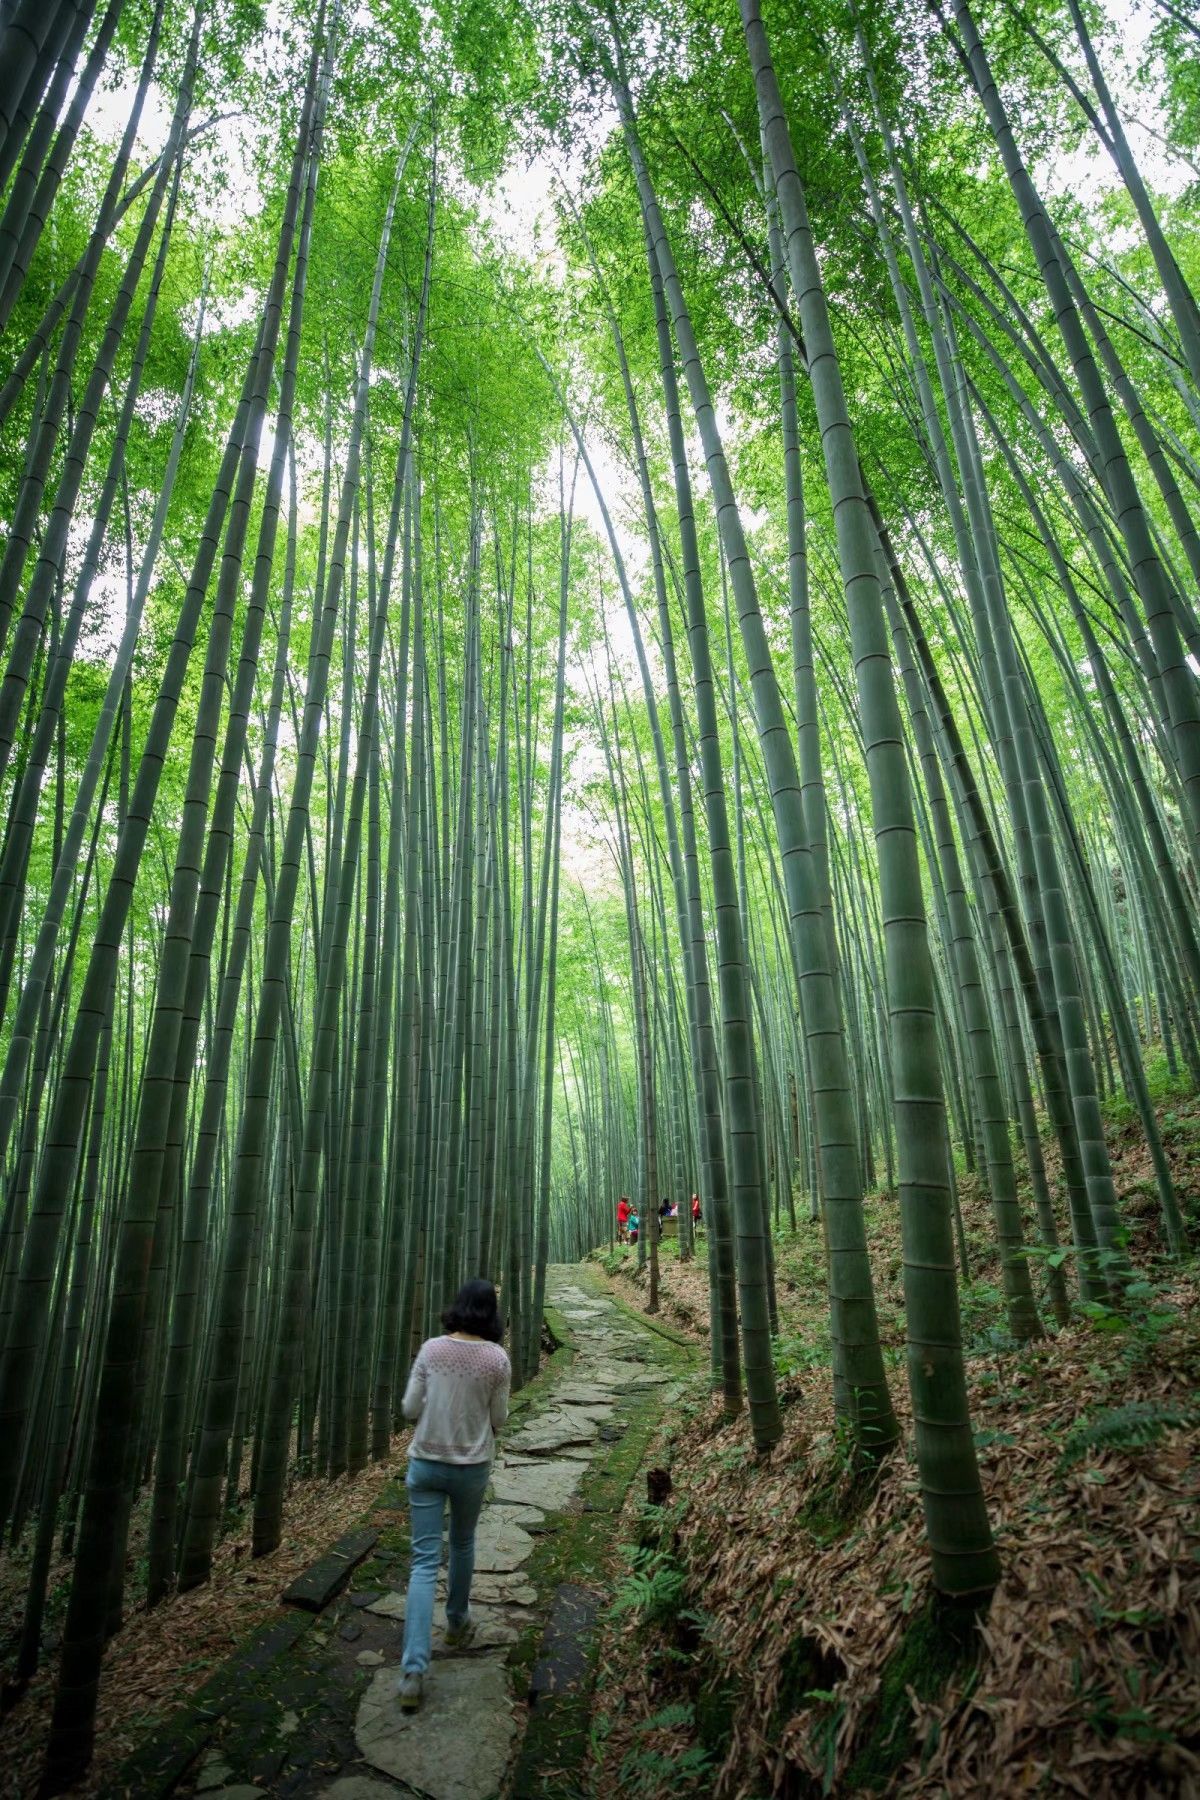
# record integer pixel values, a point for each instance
(652, 1589)
(668, 1717)
(647, 1773)
(1129, 1427)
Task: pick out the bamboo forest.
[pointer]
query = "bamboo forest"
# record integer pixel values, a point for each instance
(600, 621)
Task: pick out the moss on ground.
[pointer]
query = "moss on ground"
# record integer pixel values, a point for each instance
(941, 1642)
(582, 1546)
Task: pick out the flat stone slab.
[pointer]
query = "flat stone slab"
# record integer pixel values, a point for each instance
(526, 1518)
(488, 1588)
(317, 1586)
(564, 1660)
(456, 1747)
(580, 1421)
(500, 1544)
(491, 1633)
(390, 1606)
(538, 1482)
(555, 1430)
(578, 1393)
(502, 1590)
(492, 1627)
(515, 1512)
(214, 1773)
(359, 1787)
(549, 1440)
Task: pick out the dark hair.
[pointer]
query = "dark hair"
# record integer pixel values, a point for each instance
(475, 1309)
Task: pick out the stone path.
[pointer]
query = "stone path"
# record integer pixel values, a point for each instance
(312, 1710)
(458, 1746)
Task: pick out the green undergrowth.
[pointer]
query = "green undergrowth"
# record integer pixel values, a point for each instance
(669, 1643)
(662, 1603)
(1164, 1085)
(667, 1728)
(672, 1642)
(1133, 1426)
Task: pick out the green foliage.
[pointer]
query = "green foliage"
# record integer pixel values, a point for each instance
(981, 1304)
(1135, 1425)
(644, 1770)
(668, 1717)
(986, 1439)
(793, 1354)
(654, 1586)
(1162, 1084)
(1138, 1314)
(1173, 43)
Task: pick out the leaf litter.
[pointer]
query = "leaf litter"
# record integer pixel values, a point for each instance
(1086, 1677)
(161, 1655)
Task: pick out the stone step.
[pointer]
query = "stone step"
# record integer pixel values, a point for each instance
(324, 1579)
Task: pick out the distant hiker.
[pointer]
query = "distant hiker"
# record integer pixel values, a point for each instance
(696, 1209)
(666, 1209)
(458, 1395)
(624, 1209)
(633, 1228)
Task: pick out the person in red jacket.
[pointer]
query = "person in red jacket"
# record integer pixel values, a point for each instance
(623, 1211)
(695, 1210)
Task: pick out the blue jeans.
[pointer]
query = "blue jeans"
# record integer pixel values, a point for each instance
(430, 1485)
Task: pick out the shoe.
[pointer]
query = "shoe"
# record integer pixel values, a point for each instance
(460, 1637)
(412, 1689)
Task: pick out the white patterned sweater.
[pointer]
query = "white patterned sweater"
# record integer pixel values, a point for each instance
(458, 1394)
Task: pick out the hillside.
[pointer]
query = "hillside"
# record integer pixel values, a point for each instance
(777, 1632)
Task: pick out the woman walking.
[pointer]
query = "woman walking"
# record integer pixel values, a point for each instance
(458, 1395)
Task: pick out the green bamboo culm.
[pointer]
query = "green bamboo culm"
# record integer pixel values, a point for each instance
(960, 1537)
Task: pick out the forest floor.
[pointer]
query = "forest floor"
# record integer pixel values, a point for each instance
(770, 1629)
(161, 1655)
(306, 1704)
(777, 1633)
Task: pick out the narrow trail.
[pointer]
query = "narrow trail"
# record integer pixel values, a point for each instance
(309, 1707)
